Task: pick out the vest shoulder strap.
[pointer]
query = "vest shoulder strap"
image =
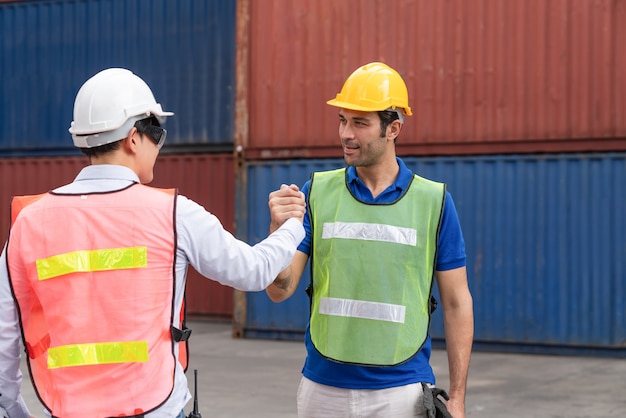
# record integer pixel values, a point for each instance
(20, 202)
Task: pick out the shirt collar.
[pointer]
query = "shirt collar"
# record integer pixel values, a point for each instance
(402, 181)
(107, 172)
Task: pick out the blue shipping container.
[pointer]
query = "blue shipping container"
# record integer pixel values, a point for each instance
(545, 240)
(184, 50)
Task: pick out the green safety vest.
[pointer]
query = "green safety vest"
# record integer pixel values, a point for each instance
(372, 270)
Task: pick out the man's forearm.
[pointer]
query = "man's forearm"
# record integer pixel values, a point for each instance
(286, 283)
(459, 329)
(283, 280)
(281, 287)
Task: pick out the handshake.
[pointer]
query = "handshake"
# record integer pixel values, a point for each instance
(284, 203)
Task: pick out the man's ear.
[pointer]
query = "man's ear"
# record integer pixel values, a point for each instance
(131, 141)
(393, 129)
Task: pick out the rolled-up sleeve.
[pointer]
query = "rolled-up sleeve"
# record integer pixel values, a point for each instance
(217, 254)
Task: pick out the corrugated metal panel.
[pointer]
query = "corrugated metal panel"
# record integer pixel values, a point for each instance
(184, 50)
(484, 76)
(206, 178)
(545, 244)
(25, 176)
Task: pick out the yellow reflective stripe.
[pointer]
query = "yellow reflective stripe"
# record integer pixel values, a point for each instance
(97, 353)
(92, 260)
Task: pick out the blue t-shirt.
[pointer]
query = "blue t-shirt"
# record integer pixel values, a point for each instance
(450, 255)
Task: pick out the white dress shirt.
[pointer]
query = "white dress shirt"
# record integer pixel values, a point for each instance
(201, 241)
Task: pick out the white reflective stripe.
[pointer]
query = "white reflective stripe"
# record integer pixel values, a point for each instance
(362, 309)
(370, 232)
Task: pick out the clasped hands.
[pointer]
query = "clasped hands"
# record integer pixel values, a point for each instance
(284, 203)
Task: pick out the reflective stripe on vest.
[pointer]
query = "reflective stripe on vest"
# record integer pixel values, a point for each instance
(92, 260)
(96, 306)
(362, 309)
(97, 353)
(372, 270)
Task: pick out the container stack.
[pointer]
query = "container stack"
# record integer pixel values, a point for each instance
(185, 51)
(520, 107)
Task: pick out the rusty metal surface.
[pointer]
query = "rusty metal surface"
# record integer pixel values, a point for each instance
(484, 76)
(25, 176)
(206, 178)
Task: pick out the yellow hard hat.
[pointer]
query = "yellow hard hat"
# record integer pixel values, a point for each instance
(373, 87)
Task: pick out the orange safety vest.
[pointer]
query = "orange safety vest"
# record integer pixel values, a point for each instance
(93, 277)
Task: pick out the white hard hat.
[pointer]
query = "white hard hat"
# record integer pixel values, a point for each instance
(108, 105)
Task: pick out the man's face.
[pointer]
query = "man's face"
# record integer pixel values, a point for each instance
(361, 138)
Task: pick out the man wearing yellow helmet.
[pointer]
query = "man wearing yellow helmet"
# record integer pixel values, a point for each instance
(376, 236)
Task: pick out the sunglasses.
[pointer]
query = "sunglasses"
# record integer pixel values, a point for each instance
(155, 133)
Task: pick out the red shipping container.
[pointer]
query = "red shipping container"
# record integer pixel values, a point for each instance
(209, 179)
(484, 76)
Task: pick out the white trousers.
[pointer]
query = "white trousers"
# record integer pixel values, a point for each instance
(321, 401)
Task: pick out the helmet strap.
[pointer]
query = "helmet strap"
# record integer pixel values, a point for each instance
(399, 112)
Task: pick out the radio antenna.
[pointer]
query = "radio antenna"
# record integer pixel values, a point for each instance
(195, 413)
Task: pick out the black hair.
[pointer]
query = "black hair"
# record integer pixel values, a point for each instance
(386, 118)
(101, 150)
(141, 126)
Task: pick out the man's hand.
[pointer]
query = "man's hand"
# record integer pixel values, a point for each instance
(284, 203)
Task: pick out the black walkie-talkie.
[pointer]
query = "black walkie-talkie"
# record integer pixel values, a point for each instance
(195, 413)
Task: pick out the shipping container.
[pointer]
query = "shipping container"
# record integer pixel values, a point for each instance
(484, 76)
(208, 179)
(545, 244)
(185, 51)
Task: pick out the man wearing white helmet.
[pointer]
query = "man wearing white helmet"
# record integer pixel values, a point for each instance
(93, 273)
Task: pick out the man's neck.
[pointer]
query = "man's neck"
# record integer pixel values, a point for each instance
(377, 178)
